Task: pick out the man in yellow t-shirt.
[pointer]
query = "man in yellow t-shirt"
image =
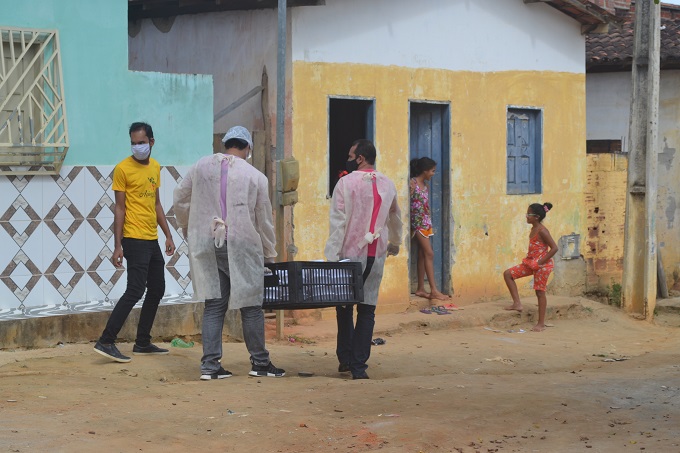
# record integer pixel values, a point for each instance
(138, 211)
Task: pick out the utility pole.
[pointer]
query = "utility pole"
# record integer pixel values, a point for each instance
(282, 41)
(640, 248)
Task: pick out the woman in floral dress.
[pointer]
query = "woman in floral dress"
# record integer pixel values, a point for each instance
(422, 170)
(538, 262)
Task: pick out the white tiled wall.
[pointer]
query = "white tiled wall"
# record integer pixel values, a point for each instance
(56, 241)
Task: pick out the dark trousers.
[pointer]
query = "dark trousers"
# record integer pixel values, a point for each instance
(145, 270)
(252, 320)
(354, 341)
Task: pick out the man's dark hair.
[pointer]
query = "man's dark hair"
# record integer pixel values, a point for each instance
(134, 127)
(366, 149)
(236, 143)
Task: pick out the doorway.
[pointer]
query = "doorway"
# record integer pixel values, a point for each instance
(348, 120)
(429, 127)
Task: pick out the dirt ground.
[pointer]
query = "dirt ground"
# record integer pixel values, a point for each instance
(597, 381)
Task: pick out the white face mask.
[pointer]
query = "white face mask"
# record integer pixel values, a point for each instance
(141, 152)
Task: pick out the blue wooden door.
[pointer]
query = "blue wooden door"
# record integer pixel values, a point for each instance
(523, 159)
(429, 137)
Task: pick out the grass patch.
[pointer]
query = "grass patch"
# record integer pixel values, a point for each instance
(615, 295)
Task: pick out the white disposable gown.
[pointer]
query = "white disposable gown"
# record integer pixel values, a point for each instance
(351, 210)
(250, 230)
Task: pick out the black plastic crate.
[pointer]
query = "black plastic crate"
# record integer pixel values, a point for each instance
(311, 284)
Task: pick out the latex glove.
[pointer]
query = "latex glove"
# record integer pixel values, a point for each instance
(392, 250)
(219, 231)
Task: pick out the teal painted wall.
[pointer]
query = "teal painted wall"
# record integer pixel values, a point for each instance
(103, 97)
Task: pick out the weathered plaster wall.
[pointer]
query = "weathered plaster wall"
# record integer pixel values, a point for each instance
(233, 46)
(668, 203)
(605, 211)
(608, 105)
(489, 228)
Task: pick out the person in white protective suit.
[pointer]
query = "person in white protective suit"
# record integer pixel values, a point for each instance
(365, 226)
(223, 208)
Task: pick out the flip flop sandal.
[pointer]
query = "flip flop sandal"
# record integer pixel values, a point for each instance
(452, 307)
(440, 310)
(427, 311)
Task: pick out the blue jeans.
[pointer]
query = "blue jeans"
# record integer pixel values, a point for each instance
(252, 319)
(145, 270)
(354, 342)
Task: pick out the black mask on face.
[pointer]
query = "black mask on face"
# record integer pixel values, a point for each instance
(351, 165)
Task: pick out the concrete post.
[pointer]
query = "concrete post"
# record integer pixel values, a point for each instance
(280, 138)
(639, 257)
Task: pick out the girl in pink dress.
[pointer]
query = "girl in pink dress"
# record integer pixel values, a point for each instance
(538, 262)
(422, 170)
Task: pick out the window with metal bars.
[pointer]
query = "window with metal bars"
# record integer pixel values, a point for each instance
(33, 125)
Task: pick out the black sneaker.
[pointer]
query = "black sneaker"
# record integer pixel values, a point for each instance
(150, 349)
(343, 368)
(360, 376)
(110, 351)
(219, 374)
(267, 371)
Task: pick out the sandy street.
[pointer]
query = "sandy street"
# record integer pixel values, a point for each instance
(597, 381)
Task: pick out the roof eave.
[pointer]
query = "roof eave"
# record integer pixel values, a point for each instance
(592, 17)
(149, 9)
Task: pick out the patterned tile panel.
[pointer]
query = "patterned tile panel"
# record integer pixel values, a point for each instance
(58, 258)
(9, 276)
(64, 203)
(9, 223)
(100, 214)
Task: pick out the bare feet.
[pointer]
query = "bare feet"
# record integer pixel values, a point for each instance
(439, 296)
(538, 328)
(422, 294)
(517, 308)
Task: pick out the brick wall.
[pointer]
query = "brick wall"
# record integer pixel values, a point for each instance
(605, 198)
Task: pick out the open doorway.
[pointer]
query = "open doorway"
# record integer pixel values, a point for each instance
(429, 125)
(348, 120)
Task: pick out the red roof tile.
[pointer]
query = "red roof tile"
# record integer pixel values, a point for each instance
(613, 51)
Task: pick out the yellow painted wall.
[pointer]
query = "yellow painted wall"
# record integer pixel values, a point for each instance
(605, 199)
(478, 105)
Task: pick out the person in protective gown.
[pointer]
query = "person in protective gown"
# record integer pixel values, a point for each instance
(365, 226)
(223, 208)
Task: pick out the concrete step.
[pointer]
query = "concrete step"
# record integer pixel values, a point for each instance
(671, 305)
